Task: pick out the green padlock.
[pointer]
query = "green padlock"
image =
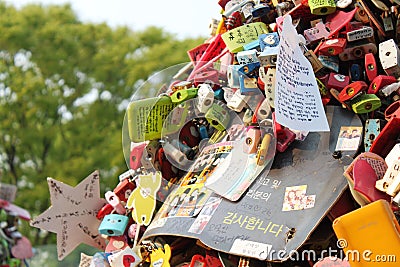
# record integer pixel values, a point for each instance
(183, 95)
(322, 7)
(365, 103)
(218, 117)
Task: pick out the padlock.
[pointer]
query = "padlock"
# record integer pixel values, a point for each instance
(248, 85)
(205, 98)
(379, 82)
(268, 57)
(394, 188)
(322, 7)
(233, 76)
(237, 102)
(284, 136)
(236, 38)
(247, 57)
(363, 32)
(113, 225)
(183, 95)
(149, 155)
(372, 129)
(250, 70)
(357, 51)
(387, 90)
(181, 85)
(390, 176)
(365, 103)
(393, 111)
(114, 201)
(387, 21)
(270, 86)
(362, 175)
(206, 76)
(388, 137)
(218, 117)
(352, 90)
(129, 174)
(105, 210)
(213, 26)
(343, 3)
(262, 111)
(268, 40)
(371, 69)
(313, 59)
(116, 244)
(234, 20)
(252, 140)
(174, 153)
(252, 45)
(333, 47)
(263, 150)
(356, 72)
(124, 189)
(168, 171)
(329, 62)
(337, 81)
(136, 155)
(335, 93)
(317, 33)
(389, 56)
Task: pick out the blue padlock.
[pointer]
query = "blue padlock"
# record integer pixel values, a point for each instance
(113, 225)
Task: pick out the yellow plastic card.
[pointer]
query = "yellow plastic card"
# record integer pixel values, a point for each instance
(149, 118)
(370, 236)
(236, 38)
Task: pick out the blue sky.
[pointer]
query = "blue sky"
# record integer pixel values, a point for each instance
(186, 18)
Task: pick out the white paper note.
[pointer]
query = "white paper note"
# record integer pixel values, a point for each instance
(298, 104)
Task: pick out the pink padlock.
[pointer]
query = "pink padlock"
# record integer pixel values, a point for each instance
(113, 199)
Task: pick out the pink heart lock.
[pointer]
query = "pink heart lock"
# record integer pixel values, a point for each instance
(22, 249)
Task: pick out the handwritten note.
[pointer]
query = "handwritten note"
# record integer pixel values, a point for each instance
(298, 103)
(73, 214)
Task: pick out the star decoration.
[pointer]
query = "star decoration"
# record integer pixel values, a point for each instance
(72, 214)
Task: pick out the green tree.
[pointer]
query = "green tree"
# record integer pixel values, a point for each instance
(63, 85)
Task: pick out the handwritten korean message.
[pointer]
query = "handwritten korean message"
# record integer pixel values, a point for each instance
(298, 103)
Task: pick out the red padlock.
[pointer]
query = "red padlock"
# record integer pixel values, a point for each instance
(337, 81)
(332, 47)
(370, 66)
(124, 189)
(379, 82)
(393, 111)
(352, 90)
(284, 136)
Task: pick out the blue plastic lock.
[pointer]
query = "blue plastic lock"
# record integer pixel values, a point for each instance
(113, 225)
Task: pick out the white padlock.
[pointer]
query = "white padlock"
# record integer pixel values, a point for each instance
(233, 76)
(390, 175)
(205, 98)
(238, 101)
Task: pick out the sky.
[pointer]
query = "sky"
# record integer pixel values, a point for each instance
(185, 18)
